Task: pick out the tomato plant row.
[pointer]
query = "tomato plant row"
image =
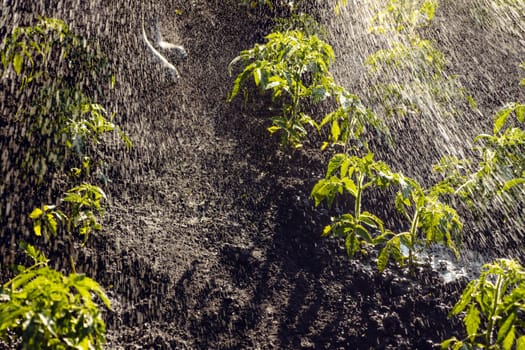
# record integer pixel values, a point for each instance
(56, 137)
(293, 66)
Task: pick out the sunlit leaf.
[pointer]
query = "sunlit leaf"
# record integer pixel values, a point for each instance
(36, 213)
(17, 62)
(465, 299)
(520, 343)
(37, 228)
(257, 76)
(336, 130)
(509, 339)
(513, 183)
(501, 118)
(382, 259)
(472, 320)
(447, 343)
(520, 113)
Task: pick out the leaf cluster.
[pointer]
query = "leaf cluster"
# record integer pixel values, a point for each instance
(48, 310)
(500, 166)
(431, 221)
(294, 68)
(84, 209)
(493, 307)
(404, 15)
(57, 66)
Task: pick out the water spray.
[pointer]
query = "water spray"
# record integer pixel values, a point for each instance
(164, 45)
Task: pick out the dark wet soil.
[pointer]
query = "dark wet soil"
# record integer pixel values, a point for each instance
(210, 239)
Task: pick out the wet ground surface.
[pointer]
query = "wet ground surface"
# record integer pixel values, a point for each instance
(211, 240)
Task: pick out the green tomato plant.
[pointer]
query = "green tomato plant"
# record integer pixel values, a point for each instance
(499, 169)
(404, 15)
(56, 65)
(492, 308)
(85, 206)
(48, 310)
(349, 122)
(352, 175)
(294, 68)
(57, 126)
(431, 221)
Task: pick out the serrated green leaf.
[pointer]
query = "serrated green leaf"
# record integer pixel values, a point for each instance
(17, 62)
(505, 328)
(344, 167)
(257, 76)
(465, 299)
(363, 233)
(371, 220)
(335, 163)
(509, 339)
(350, 186)
(472, 320)
(501, 118)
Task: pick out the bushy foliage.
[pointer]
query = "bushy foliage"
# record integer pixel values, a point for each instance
(47, 310)
(294, 68)
(494, 303)
(353, 175)
(58, 119)
(56, 129)
(430, 220)
(404, 15)
(84, 206)
(499, 169)
(493, 307)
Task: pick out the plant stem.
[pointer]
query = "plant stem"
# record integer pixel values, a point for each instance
(72, 262)
(357, 205)
(295, 100)
(413, 237)
(496, 301)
